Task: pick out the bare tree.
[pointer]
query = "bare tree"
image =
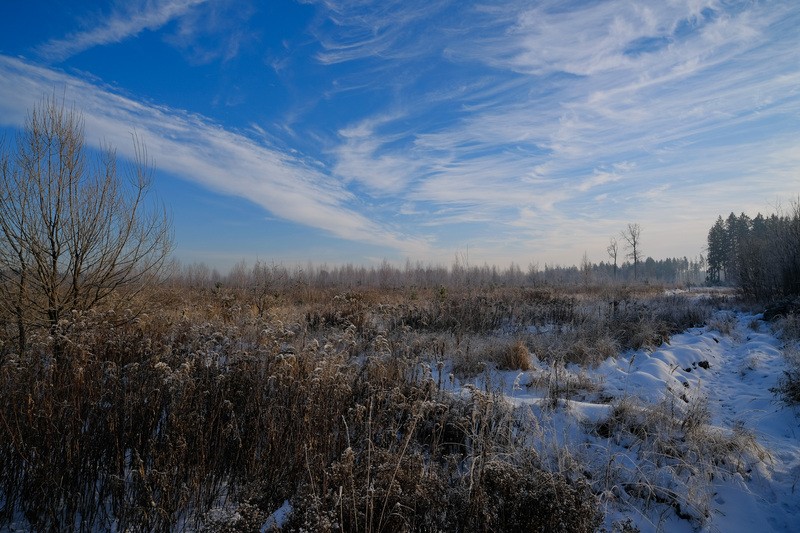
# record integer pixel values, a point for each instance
(73, 232)
(613, 251)
(586, 268)
(265, 281)
(632, 237)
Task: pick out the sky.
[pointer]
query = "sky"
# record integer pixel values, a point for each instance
(360, 131)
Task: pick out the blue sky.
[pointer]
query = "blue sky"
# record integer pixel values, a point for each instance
(356, 131)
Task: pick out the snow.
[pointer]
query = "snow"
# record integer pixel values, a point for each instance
(277, 519)
(732, 366)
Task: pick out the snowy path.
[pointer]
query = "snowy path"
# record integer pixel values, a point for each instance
(744, 364)
(738, 389)
(734, 371)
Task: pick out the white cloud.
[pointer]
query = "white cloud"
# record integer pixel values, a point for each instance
(602, 177)
(362, 157)
(189, 146)
(135, 17)
(530, 127)
(551, 110)
(358, 30)
(219, 30)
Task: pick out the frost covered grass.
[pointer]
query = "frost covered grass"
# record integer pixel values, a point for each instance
(789, 385)
(205, 414)
(375, 409)
(788, 327)
(683, 437)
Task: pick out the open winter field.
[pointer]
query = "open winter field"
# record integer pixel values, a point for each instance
(299, 404)
(615, 348)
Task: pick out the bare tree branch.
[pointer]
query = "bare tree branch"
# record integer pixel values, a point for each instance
(73, 232)
(632, 237)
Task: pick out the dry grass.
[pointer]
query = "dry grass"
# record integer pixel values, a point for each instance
(222, 402)
(724, 323)
(515, 357)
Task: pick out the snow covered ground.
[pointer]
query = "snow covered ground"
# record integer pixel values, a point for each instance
(701, 442)
(688, 437)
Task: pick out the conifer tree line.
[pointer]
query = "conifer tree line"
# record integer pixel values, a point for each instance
(760, 255)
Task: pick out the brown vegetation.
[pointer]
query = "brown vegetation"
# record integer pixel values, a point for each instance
(331, 399)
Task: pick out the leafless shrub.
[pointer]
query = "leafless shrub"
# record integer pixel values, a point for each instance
(789, 384)
(789, 327)
(74, 233)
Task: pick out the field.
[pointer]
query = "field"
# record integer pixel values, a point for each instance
(304, 405)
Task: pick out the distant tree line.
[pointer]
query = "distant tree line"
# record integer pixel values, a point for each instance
(268, 278)
(760, 255)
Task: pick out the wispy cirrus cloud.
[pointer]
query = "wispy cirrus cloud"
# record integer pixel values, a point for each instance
(217, 31)
(363, 158)
(380, 30)
(565, 117)
(125, 21)
(288, 185)
(531, 128)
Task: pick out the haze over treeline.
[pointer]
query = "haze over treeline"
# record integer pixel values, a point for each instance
(760, 255)
(461, 272)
